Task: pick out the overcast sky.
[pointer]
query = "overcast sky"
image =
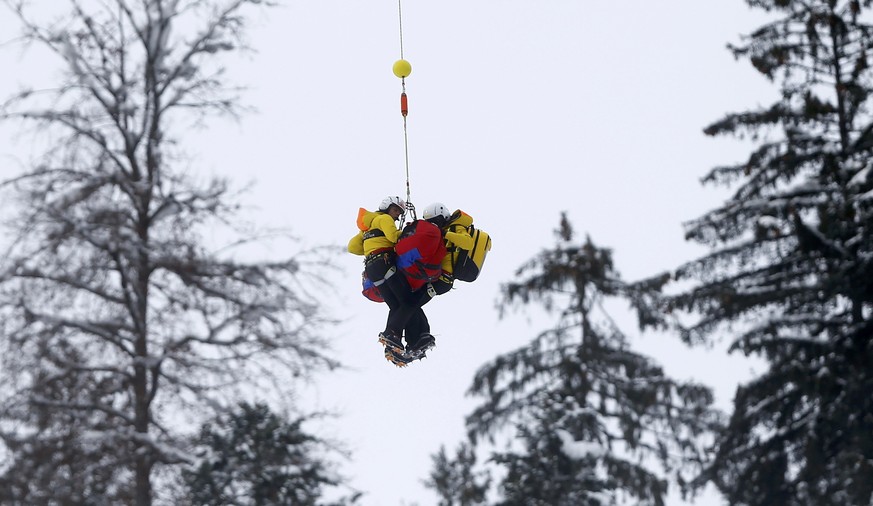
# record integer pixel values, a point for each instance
(519, 110)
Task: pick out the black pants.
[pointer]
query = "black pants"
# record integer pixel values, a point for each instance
(418, 323)
(394, 289)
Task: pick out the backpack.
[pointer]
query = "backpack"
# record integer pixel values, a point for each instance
(420, 251)
(467, 264)
(369, 289)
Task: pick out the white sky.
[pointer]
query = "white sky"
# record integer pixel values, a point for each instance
(518, 110)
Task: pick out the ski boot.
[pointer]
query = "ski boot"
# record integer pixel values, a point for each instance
(419, 348)
(393, 341)
(398, 359)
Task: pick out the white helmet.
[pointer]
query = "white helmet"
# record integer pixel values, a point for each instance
(389, 201)
(434, 210)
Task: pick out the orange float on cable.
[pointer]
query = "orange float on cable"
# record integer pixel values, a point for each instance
(402, 69)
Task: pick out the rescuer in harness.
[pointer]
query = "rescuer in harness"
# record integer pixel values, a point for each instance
(426, 254)
(395, 265)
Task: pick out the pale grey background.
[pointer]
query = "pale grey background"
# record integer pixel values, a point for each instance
(518, 110)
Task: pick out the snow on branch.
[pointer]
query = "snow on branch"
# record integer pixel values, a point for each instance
(579, 450)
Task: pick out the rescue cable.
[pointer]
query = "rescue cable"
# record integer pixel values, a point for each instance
(402, 69)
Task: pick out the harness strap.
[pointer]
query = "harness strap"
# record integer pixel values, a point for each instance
(369, 234)
(422, 269)
(376, 254)
(392, 271)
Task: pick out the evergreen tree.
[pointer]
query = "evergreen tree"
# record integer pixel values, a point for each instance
(458, 481)
(790, 271)
(254, 457)
(61, 462)
(120, 323)
(596, 421)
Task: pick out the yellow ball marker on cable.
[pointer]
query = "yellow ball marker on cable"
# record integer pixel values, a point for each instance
(402, 69)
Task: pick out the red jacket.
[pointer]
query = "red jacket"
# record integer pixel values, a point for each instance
(420, 252)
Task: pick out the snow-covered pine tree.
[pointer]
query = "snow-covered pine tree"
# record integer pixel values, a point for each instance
(52, 456)
(790, 273)
(119, 322)
(458, 481)
(596, 422)
(254, 456)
